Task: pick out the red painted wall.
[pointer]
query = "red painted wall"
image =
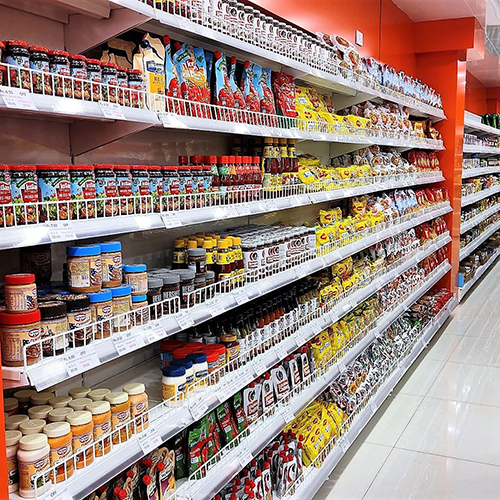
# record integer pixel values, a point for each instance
(475, 95)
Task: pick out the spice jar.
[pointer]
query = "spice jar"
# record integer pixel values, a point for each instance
(120, 413)
(11, 406)
(79, 319)
(20, 330)
(94, 75)
(84, 268)
(13, 422)
(135, 86)
(60, 442)
(111, 262)
(155, 186)
(82, 429)
(20, 293)
(101, 308)
(122, 305)
(140, 310)
(24, 399)
(79, 392)
(173, 384)
(40, 412)
(17, 55)
(24, 191)
(98, 394)
(101, 418)
(122, 82)
(41, 398)
(53, 327)
(78, 70)
(105, 187)
(33, 459)
(36, 260)
(109, 81)
(138, 405)
(53, 186)
(186, 277)
(79, 403)
(155, 297)
(124, 186)
(12, 445)
(39, 62)
(200, 369)
(32, 426)
(60, 401)
(59, 66)
(185, 186)
(83, 190)
(59, 414)
(136, 276)
(6, 212)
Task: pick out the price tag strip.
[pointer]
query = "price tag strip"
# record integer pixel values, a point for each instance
(170, 220)
(127, 342)
(245, 457)
(185, 320)
(153, 332)
(149, 439)
(61, 230)
(198, 410)
(17, 98)
(111, 110)
(81, 360)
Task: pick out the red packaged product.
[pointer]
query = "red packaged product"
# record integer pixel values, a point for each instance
(284, 91)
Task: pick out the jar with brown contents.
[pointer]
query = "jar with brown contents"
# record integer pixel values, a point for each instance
(84, 268)
(54, 325)
(79, 319)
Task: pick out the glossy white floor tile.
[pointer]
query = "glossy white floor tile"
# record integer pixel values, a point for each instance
(442, 348)
(420, 379)
(478, 351)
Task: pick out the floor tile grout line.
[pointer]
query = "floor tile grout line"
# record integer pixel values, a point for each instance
(378, 472)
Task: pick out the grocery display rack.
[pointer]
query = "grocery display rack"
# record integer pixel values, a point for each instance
(463, 291)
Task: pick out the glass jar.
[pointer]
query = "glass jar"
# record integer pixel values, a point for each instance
(185, 186)
(122, 82)
(24, 186)
(95, 76)
(59, 66)
(155, 297)
(39, 63)
(124, 186)
(140, 189)
(101, 307)
(122, 305)
(84, 268)
(135, 86)
(199, 286)
(83, 190)
(54, 325)
(33, 457)
(79, 319)
(109, 75)
(78, 70)
(138, 405)
(16, 54)
(155, 186)
(197, 260)
(170, 188)
(60, 442)
(186, 277)
(105, 187)
(136, 276)
(170, 291)
(101, 419)
(53, 186)
(111, 262)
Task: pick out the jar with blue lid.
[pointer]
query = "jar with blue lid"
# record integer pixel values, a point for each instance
(200, 369)
(140, 308)
(111, 259)
(84, 268)
(122, 307)
(101, 308)
(173, 384)
(136, 276)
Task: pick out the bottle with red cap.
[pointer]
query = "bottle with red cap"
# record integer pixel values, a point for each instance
(185, 183)
(197, 165)
(233, 187)
(213, 172)
(225, 177)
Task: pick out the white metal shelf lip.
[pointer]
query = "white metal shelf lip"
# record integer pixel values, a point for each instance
(468, 173)
(38, 234)
(473, 122)
(482, 150)
(321, 475)
(481, 270)
(475, 197)
(211, 484)
(466, 251)
(467, 226)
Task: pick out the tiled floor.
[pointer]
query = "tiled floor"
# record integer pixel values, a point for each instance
(438, 435)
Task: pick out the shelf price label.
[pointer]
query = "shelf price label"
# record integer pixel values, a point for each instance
(287, 415)
(185, 320)
(81, 360)
(216, 308)
(373, 406)
(245, 457)
(58, 493)
(344, 443)
(198, 410)
(60, 230)
(244, 209)
(170, 220)
(111, 110)
(259, 367)
(127, 342)
(153, 332)
(240, 296)
(149, 439)
(342, 366)
(17, 98)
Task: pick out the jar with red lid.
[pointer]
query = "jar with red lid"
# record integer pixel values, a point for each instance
(197, 164)
(134, 77)
(109, 72)
(155, 186)
(124, 188)
(16, 54)
(140, 188)
(105, 187)
(24, 193)
(170, 188)
(6, 213)
(59, 66)
(82, 180)
(19, 330)
(20, 293)
(3, 69)
(211, 161)
(122, 82)
(185, 186)
(95, 76)
(78, 70)
(39, 63)
(53, 187)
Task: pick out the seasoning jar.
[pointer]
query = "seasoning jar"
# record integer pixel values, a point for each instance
(60, 401)
(140, 188)
(94, 75)
(53, 327)
(84, 268)
(79, 319)
(136, 276)
(79, 403)
(135, 86)
(155, 186)
(138, 405)
(39, 62)
(17, 55)
(140, 310)
(186, 277)
(53, 186)
(24, 191)
(170, 292)
(185, 186)
(173, 384)
(122, 82)
(98, 394)
(60, 442)
(11, 406)
(197, 260)
(82, 429)
(38, 261)
(32, 426)
(59, 66)
(59, 414)
(79, 392)
(20, 330)
(33, 459)
(122, 305)
(120, 413)
(109, 81)
(40, 412)
(155, 297)
(232, 346)
(6, 212)
(200, 369)
(20, 293)
(12, 445)
(105, 187)
(111, 262)
(101, 308)
(124, 186)
(101, 418)
(13, 422)
(78, 70)
(170, 188)
(41, 398)
(83, 191)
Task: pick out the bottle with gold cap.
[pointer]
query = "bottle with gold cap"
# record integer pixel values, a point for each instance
(293, 161)
(238, 261)
(223, 265)
(208, 246)
(179, 254)
(267, 161)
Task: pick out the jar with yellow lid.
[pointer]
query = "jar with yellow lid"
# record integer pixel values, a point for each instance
(179, 254)
(84, 268)
(82, 430)
(120, 413)
(61, 448)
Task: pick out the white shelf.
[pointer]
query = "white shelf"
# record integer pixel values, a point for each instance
(463, 291)
(482, 150)
(475, 197)
(467, 226)
(473, 125)
(37, 234)
(52, 370)
(230, 465)
(467, 250)
(476, 172)
(316, 478)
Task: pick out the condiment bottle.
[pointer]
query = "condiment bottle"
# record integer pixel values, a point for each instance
(173, 384)
(60, 442)
(101, 418)
(33, 459)
(82, 430)
(12, 438)
(138, 405)
(120, 413)
(200, 369)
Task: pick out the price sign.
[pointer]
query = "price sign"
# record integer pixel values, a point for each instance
(373, 406)
(166, 119)
(17, 98)
(231, 212)
(281, 352)
(342, 366)
(240, 296)
(259, 367)
(245, 457)
(170, 220)
(111, 110)
(81, 360)
(344, 444)
(271, 206)
(149, 439)
(153, 332)
(57, 493)
(60, 230)
(198, 410)
(244, 209)
(216, 308)
(127, 342)
(288, 415)
(301, 271)
(185, 320)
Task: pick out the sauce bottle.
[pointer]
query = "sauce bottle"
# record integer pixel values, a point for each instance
(223, 265)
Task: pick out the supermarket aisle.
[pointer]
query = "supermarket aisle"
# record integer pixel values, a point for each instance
(438, 436)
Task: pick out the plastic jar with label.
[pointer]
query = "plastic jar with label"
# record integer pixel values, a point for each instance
(41, 412)
(220, 349)
(140, 310)
(155, 297)
(78, 70)
(111, 262)
(101, 418)
(82, 180)
(120, 413)
(12, 438)
(19, 330)
(232, 346)
(140, 189)
(16, 54)
(173, 385)
(84, 268)
(79, 403)
(122, 305)
(200, 369)
(186, 277)
(185, 186)
(167, 347)
(135, 86)
(24, 188)
(124, 186)
(79, 319)
(101, 307)
(53, 186)
(109, 74)
(61, 447)
(59, 414)
(170, 188)
(6, 213)
(82, 429)
(122, 81)
(53, 325)
(60, 401)
(155, 186)
(94, 76)
(59, 66)
(139, 405)
(170, 292)
(32, 426)
(39, 61)
(24, 399)
(33, 458)
(13, 422)
(79, 392)
(20, 293)
(105, 187)
(179, 256)
(41, 398)
(136, 276)
(213, 366)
